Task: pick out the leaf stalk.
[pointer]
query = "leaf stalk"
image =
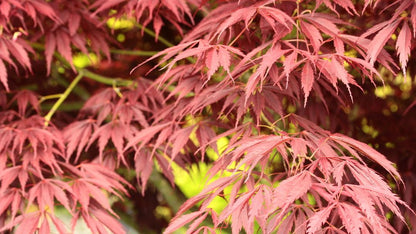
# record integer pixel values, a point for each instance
(63, 97)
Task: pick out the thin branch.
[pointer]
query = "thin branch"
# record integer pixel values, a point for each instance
(106, 80)
(63, 97)
(66, 106)
(78, 90)
(52, 96)
(92, 75)
(134, 52)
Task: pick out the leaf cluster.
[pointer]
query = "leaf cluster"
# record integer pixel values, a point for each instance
(274, 78)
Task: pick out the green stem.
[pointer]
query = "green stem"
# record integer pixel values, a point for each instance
(66, 106)
(106, 80)
(79, 90)
(115, 51)
(52, 96)
(153, 34)
(63, 97)
(37, 45)
(134, 52)
(96, 77)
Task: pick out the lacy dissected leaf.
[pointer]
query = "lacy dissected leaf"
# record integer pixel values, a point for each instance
(222, 56)
(366, 203)
(242, 14)
(50, 45)
(347, 5)
(11, 200)
(103, 178)
(301, 219)
(99, 221)
(131, 112)
(268, 61)
(8, 176)
(212, 62)
(117, 132)
(222, 18)
(100, 104)
(234, 77)
(324, 23)
(165, 167)
(313, 34)
(380, 40)
(77, 135)
(403, 45)
(23, 99)
(95, 206)
(219, 22)
(75, 28)
(251, 151)
(205, 134)
(208, 96)
(122, 118)
(84, 190)
(289, 65)
(273, 206)
(239, 219)
(209, 192)
(308, 79)
(27, 223)
(37, 221)
(31, 144)
(3, 75)
(182, 220)
(361, 45)
(276, 18)
(179, 139)
(145, 136)
(318, 219)
(350, 217)
(369, 152)
(285, 193)
(143, 164)
(41, 7)
(19, 50)
(63, 44)
(46, 191)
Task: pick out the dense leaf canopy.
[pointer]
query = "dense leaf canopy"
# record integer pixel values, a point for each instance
(290, 116)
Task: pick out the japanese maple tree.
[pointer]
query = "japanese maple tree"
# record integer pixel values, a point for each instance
(312, 100)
